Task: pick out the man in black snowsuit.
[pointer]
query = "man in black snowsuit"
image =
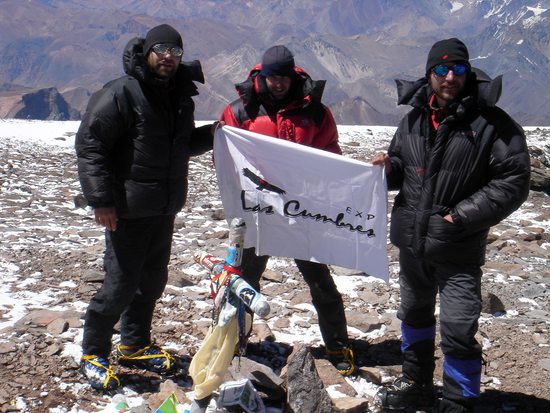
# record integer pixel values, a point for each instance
(133, 148)
(461, 165)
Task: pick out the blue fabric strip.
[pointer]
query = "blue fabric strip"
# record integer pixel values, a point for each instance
(467, 373)
(410, 335)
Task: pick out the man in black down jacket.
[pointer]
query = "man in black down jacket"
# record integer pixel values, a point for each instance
(461, 165)
(133, 148)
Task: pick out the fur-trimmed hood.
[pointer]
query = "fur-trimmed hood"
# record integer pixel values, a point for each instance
(135, 64)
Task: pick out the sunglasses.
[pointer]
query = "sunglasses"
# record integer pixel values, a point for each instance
(160, 49)
(459, 69)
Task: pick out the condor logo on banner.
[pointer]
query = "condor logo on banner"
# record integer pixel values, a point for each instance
(301, 202)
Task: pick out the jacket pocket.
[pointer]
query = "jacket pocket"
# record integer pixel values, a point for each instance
(441, 229)
(144, 199)
(401, 227)
(450, 242)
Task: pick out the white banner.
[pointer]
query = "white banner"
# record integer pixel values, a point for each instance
(302, 202)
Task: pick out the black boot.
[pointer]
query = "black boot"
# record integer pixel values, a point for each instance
(449, 406)
(405, 394)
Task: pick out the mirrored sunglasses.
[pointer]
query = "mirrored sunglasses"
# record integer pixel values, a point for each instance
(458, 69)
(165, 49)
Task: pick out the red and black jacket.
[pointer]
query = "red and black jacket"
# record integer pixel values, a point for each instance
(301, 118)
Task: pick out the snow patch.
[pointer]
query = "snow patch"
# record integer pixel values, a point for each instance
(537, 10)
(456, 6)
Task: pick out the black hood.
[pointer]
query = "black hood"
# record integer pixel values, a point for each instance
(480, 90)
(254, 90)
(135, 64)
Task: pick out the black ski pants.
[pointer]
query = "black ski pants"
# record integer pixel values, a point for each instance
(324, 295)
(135, 262)
(459, 287)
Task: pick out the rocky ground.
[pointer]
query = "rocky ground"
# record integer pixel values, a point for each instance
(50, 266)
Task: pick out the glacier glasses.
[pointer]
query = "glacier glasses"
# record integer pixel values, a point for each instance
(442, 70)
(162, 49)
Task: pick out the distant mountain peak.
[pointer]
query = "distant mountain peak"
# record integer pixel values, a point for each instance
(359, 47)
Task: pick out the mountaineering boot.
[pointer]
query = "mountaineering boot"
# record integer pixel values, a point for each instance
(450, 406)
(342, 359)
(405, 394)
(98, 372)
(151, 357)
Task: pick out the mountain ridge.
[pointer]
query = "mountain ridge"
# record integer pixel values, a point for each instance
(359, 47)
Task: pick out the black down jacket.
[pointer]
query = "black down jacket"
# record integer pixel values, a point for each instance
(136, 137)
(475, 167)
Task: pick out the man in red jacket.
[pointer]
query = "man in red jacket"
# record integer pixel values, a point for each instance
(281, 100)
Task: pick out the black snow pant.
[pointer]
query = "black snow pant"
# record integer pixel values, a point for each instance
(324, 295)
(136, 271)
(459, 287)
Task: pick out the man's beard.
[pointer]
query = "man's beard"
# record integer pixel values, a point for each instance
(449, 95)
(165, 72)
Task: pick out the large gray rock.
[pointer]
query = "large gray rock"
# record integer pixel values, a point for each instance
(540, 170)
(491, 304)
(44, 104)
(305, 392)
(262, 377)
(540, 179)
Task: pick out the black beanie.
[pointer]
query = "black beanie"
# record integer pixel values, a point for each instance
(278, 60)
(161, 34)
(447, 51)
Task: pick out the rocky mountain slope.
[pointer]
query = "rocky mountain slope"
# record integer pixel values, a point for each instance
(50, 265)
(358, 46)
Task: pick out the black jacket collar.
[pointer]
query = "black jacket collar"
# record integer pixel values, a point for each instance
(253, 91)
(481, 91)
